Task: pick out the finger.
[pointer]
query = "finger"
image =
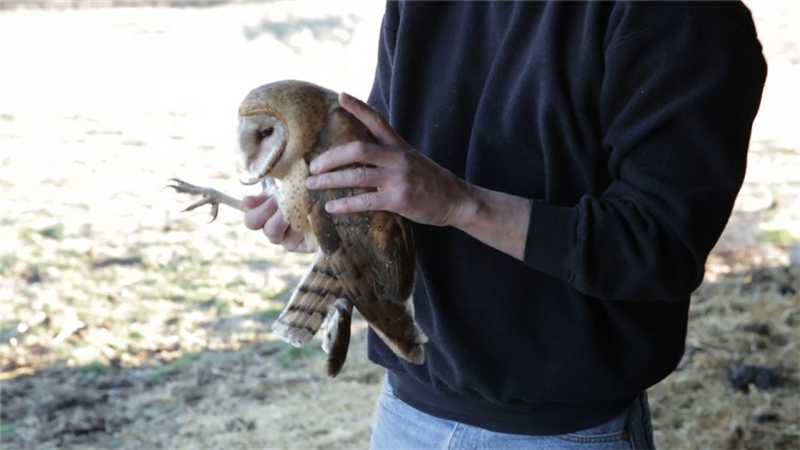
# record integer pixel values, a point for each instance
(292, 240)
(374, 121)
(275, 229)
(305, 247)
(255, 218)
(351, 153)
(370, 201)
(252, 201)
(355, 177)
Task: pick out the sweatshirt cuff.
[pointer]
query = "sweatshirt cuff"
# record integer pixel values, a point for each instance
(552, 238)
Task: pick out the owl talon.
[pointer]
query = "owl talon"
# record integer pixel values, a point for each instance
(210, 197)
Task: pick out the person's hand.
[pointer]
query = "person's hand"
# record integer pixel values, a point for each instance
(263, 214)
(407, 182)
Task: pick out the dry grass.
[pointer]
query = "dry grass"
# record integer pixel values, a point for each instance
(128, 325)
(753, 319)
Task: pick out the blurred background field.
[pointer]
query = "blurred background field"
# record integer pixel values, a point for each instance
(126, 324)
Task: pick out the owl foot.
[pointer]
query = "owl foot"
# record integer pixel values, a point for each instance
(210, 197)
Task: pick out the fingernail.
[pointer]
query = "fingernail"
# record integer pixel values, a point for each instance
(313, 167)
(311, 182)
(331, 207)
(346, 97)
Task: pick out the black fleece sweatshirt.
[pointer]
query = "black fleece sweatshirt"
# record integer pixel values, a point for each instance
(627, 127)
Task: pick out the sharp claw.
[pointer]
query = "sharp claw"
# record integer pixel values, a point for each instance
(190, 207)
(214, 212)
(183, 187)
(177, 188)
(202, 202)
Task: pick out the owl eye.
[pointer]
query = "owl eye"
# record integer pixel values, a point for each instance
(266, 132)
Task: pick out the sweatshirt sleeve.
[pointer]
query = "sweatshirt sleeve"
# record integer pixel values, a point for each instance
(676, 109)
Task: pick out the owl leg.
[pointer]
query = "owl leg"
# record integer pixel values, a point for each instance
(210, 197)
(337, 338)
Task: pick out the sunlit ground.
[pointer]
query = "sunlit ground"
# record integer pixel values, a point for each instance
(126, 324)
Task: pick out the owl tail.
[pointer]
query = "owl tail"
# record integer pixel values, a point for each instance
(308, 306)
(399, 330)
(393, 322)
(337, 337)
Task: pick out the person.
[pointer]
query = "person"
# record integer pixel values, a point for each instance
(568, 168)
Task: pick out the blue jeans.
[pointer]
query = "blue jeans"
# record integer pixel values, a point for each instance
(399, 426)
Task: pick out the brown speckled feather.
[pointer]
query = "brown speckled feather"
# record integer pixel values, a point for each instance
(382, 241)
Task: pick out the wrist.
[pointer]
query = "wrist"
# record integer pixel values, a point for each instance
(498, 220)
(468, 208)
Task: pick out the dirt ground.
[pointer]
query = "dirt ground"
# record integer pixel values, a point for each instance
(126, 324)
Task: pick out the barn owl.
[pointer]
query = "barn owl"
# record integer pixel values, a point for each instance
(364, 260)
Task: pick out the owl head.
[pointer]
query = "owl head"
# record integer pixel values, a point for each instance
(278, 124)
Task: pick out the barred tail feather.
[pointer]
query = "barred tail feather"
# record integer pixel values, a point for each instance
(308, 306)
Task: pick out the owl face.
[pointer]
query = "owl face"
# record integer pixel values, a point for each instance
(262, 144)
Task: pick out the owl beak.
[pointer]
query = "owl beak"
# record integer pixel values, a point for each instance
(251, 181)
(250, 163)
(250, 169)
(262, 165)
(251, 166)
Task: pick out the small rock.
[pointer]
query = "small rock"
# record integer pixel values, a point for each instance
(761, 329)
(786, 289)
(778, 340)
(240, 424)
(190, 394)
(766, 418)
(741, 377)
(33, 276)
(767, 379)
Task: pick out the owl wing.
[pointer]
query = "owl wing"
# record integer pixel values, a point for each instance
(392, 321)
(384, 239)
(370, 253)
